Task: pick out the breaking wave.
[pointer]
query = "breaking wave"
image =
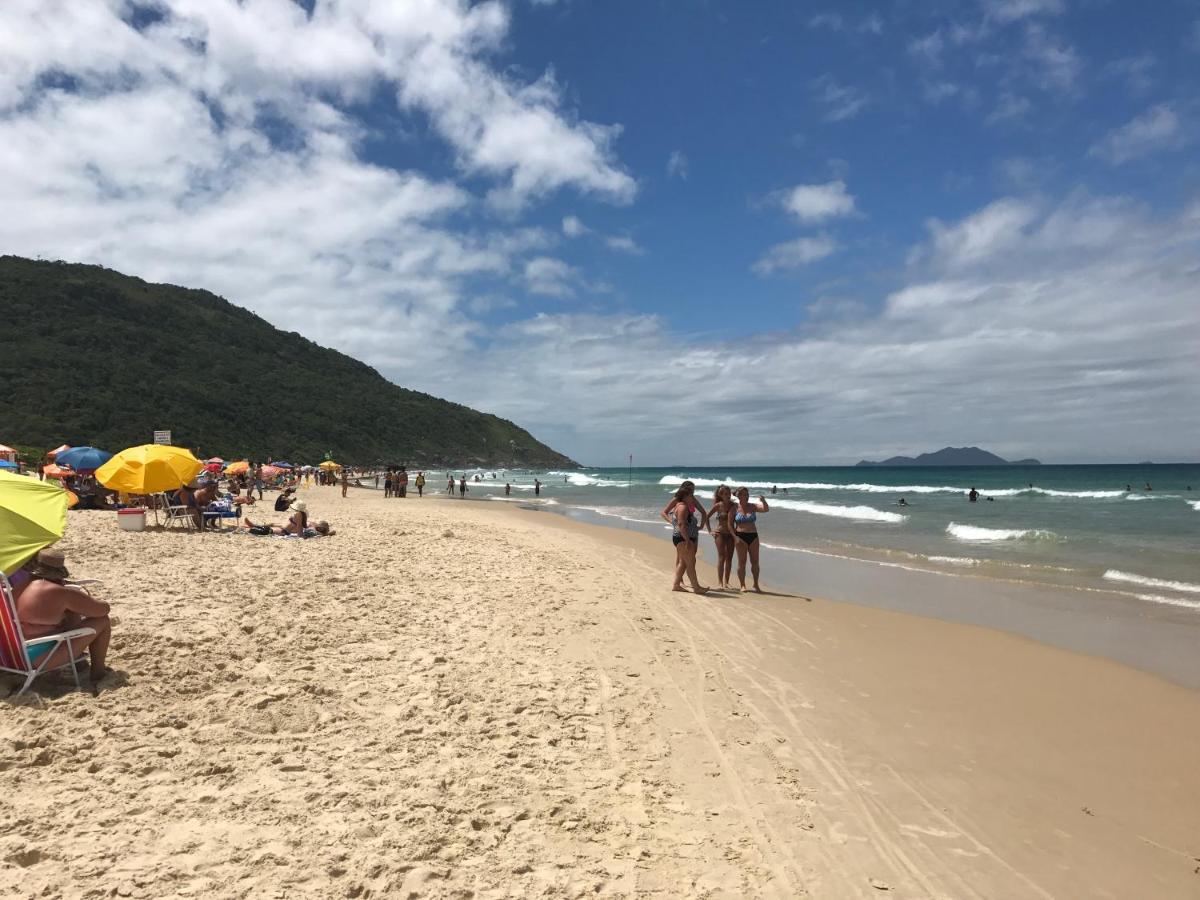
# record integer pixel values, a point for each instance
(975, 533)
(1129, 578)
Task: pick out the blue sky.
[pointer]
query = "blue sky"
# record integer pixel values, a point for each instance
(699, 232)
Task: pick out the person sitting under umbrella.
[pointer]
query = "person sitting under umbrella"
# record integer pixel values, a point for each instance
(47, 606)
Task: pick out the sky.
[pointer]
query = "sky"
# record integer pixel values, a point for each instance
(695, 232)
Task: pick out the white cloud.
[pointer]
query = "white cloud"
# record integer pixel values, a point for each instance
(623, 243)
(550, 277)
(1154, 130)
(817, 202)
(1090, 306)
(979, 237)
(573, 226)
(677, 165)
(794, 254)
(870, 24)
(1054, 66)
(841, 101)
(1011, 10)
(1009, 109)
(220, 147)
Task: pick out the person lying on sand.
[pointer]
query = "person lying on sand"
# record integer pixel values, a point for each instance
(297, 525)
(47, 606)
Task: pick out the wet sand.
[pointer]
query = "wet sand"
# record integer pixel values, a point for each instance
(453, 699)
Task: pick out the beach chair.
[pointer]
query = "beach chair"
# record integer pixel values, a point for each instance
(176, 514)
(14, 649)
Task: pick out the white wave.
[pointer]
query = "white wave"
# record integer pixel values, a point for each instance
(868, 488)
(613, 514)
(1194, 504)
(858, 513)
(955, 560)
(675, 480)
(581, 480)
(1087, 495)
(975, 533)
(1117, 575)
(1170, 601)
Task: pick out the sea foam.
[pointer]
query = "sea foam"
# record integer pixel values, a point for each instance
(868, 488)
(975, 533)
(858, 513)
(1129, 578)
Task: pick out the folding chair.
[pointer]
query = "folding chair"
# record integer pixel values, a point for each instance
(176, 514)
(14, 648)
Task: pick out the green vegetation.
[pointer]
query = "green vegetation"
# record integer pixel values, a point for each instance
(90, 356)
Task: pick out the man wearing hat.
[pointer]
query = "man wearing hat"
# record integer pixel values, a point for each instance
(47, 606)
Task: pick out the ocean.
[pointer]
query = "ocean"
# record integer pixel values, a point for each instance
(1068, 526)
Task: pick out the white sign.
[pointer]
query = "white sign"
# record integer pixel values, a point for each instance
(162, 437)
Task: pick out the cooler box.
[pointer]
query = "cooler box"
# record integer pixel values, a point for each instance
(131, 519)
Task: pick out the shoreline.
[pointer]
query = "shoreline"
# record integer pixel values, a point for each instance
(1157, 639)
(452, 697)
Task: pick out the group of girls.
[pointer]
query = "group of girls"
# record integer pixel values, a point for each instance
(733, 525)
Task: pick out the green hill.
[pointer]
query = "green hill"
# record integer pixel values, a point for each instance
(91, 356)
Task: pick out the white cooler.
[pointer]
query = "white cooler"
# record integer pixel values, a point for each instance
(131, 519)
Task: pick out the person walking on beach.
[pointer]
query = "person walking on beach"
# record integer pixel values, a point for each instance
(387, 483)
(258, 481)
(403, 481)
(345, 481)
(682, 512)
(462, 487)
(420, 483)
(537, 488)
(450, 485)
(507, 489)
(722, 538)
(743, 522)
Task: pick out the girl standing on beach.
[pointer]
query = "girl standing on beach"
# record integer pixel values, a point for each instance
(682, 512)
(722, 537)
(742, 521)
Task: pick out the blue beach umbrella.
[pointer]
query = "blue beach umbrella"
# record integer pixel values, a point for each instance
(83, 459)
(5, 464)
(283, 465)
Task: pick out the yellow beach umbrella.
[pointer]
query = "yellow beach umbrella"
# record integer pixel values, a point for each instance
(237, 468)
(33, 515)
(149, 469)
(329, 464)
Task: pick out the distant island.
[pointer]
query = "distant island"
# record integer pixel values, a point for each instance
(952, 456)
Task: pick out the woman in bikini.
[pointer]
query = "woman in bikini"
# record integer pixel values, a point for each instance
(682, 512)
(295, 526)
(742, 521)
(722, 537)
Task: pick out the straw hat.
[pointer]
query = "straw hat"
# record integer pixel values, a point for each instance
(49, 564)
(299, 506)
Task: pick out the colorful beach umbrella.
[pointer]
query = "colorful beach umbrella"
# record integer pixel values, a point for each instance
(282, 465)
(237, 468)
(329, 464)
(83, 459)
(5, 464)
(271, 471)
(149, 469)
(215, 459)
(33, 515)
(56, 471)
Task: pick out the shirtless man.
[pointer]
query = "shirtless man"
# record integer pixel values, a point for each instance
(204, 496)
(47, 606)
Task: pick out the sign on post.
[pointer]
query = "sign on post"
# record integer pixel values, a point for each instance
(162, 437)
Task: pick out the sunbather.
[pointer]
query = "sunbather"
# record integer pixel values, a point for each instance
(47, 606)
(295, 525)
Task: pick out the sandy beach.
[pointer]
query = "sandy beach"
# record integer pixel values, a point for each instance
(468, 699)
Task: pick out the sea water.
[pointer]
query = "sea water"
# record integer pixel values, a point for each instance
(1069, 526)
